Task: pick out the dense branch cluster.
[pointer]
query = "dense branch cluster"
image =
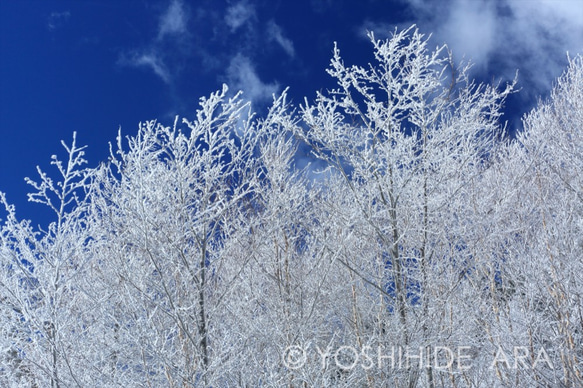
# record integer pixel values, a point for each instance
(428, 251)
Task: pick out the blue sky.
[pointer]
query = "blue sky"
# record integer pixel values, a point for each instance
(93, 66)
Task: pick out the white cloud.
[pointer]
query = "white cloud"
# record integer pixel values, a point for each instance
(468, 27)
(57, 19)
(238, 14)
(241, 75)
(532, 36)
(156, 55)
(275, 33)
(321, 6)
(150, 60)
(471, 29)
(173, 21)
(541, 32)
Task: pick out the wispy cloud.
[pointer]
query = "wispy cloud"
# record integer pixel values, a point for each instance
(275, 33)
(151, 60)
(238, 14)
(173, 21)
(156, 56)
(531, 36)
(540, 32)
(470, 28)
(241, 75)
(321, 6)
(57, 19)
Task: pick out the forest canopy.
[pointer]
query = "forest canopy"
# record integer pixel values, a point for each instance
(421, 247)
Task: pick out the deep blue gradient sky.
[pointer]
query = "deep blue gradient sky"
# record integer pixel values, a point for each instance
(93, 66)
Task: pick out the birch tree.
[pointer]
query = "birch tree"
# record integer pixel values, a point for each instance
(406, 135)
(538, 301)
(163, 210)
(40, 281)
(200, 255)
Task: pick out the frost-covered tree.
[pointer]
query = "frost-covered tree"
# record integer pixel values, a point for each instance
(535, 269)
(162, 212)
(200, 255)
(41, 282)
(406, 137)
